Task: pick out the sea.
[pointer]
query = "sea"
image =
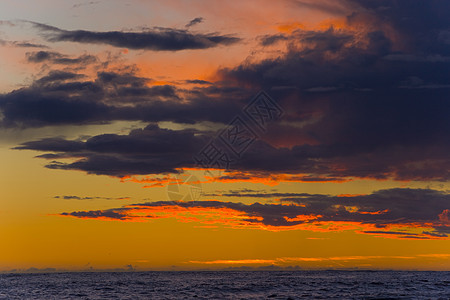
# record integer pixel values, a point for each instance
(228, 285)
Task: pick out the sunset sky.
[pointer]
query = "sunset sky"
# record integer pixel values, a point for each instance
(177, 135)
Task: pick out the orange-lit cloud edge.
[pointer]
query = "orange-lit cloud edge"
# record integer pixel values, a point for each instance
(215, 217)
(287, 260)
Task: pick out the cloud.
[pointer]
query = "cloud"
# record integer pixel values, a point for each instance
(268, 40)
(352, 108)
(194, 21)
(198, 81)
(235, 261)
(283, 260)
(58, 58)
(63, 97)
(392, 213)
(21, 44)
(256, 194)
(156, 39)
(139, 153)
(98, 214)
(33, 108)
(72, 197)
(85, 4)
(330, 7)
(420, 25)
(57, 77)
(151, 150)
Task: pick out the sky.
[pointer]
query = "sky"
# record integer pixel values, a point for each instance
(185, 135)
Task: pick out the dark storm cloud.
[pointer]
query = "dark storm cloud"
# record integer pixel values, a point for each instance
(151, 150)
(58, 58)
(330, 58)
(133, 154)
(32, 108)
(63, 97)
(418, 26)
(420, 23)
(156, 39)
(367, 110)
(382, 209)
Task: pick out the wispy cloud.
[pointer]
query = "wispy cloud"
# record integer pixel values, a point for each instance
(58, 58)
(287, 260)
(73, 197)
(156, 39)
(194, 21)
(21, 44)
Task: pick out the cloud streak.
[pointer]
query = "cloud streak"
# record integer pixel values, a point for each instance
(194, 21)
(156, 39)
(58, 58)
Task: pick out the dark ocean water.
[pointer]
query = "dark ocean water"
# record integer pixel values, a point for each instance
(228, 285)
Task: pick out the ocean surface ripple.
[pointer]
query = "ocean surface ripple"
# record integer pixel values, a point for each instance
(228, 285)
